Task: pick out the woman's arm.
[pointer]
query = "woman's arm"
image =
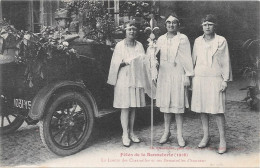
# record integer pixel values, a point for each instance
(224, 61)
(115, 65)
(194, 53)
(184, 54)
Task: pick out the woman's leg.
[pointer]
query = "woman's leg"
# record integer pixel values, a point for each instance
(220, 119)
(205, 125)
(167, 125)
(179, 123)
(133, 137)
(124, 121)
(132, 121)
(167, 122)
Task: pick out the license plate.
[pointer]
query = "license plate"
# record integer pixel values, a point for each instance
(23, 104)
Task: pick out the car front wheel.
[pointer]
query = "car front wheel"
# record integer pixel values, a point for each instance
(67, 123)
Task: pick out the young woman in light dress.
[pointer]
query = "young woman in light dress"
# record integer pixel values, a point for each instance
(126, 75)
(212, 72)
(173, 78)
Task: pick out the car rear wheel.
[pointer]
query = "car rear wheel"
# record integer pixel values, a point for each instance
(67, 124)
(9, 121)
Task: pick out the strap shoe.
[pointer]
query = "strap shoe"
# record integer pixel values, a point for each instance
(126, 141)
(203, 143)
(135, 138)
(181, 142)
(222, 147)
(165, 138)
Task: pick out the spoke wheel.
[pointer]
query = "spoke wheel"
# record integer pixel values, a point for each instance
(68, 123)
(9, 121)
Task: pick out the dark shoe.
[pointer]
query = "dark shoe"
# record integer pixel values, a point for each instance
(181, 142)
(126, 141)
(203, 144)
(165, 138)
(135, 138)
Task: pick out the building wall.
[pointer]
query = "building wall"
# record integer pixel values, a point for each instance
(16, 13)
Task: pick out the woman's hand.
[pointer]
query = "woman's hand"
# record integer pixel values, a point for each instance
(127, 61)
(223, 86)
(122, 64)
(155, 82)
(186, 81)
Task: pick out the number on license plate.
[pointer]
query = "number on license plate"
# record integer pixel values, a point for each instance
(24, 104)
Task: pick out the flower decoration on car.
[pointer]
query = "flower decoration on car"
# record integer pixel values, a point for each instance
(35, 49)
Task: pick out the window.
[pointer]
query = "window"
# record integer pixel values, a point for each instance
(16, 13)
(35, 14)
(113, 8)
(48, 8)
(128, 9)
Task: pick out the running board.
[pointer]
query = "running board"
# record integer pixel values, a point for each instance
(104, 112)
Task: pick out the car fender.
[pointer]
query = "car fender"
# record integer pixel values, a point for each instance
(42, 98)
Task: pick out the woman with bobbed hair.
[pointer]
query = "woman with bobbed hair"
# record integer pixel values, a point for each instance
(174, 71)
(212, 72)
(126, 75)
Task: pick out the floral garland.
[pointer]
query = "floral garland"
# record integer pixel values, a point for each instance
(34, 50)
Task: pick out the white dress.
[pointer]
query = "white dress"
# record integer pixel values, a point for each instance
(128, 89)
(212, 67)
(175, 66)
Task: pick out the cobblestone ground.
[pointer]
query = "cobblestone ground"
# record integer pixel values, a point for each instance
(24, 147)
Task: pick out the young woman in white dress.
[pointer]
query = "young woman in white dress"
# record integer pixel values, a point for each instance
(126, 74)
(173, 78)
(212, 72)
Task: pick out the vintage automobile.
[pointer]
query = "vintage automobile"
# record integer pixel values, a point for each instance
(64, 103)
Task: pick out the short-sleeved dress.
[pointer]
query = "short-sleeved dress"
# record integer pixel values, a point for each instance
(212, 66)
(175, 66)
(128, 87)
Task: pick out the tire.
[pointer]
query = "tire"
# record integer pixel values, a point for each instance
(67, 123)
(9, 121)
(14, 122)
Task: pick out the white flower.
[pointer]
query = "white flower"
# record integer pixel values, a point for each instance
(60, 47)
(65, 43)
(72, 51)
(27, 36)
